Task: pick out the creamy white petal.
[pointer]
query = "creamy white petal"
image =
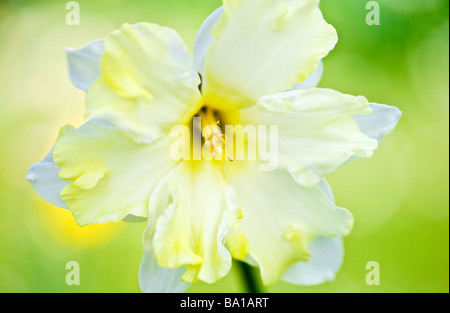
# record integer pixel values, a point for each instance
(327, 256)
(204, 38)
(280, 217)
(46, 181)
(157, 279)
(263, 47)
(154, 278)
(84, 64)
(149, 82)
(381, 122)
(313, 80)
(111, 176)
(316, 134)
(191, 231)
(326, 188)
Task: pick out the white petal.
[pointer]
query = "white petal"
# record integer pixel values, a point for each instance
(152, 277)
(191, 230)
(156, 279)
(280, 217)
(84, 64)
(313, 80)
(111, 176)
(204, 38)
(263, 47)
(316, 134)
(149, 82)
(327, 255)
(325, 187)
(380, 123)
(46, 181)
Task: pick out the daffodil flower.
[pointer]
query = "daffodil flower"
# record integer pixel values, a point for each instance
(255, 63)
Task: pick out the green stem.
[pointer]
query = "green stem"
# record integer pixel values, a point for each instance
(249, 278)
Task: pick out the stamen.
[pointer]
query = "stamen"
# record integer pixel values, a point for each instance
(214, 139)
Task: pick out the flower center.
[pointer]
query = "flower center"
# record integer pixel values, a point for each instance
(213, 138)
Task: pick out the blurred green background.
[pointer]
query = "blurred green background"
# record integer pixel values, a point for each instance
(400, 198)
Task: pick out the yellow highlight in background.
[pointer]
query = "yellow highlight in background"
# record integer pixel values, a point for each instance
(61, 226)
